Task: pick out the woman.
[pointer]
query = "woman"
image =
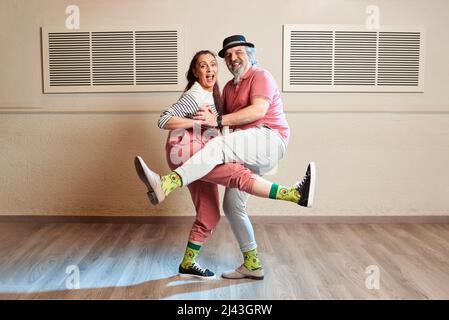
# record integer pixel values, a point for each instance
(202, 89)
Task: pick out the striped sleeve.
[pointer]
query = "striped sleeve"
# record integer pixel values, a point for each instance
(186, 107)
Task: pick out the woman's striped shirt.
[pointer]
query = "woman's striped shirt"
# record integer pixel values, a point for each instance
(188, 104)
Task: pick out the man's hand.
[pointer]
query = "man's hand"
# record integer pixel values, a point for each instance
(206, 116)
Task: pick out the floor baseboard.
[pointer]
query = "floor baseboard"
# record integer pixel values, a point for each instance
(254, 219)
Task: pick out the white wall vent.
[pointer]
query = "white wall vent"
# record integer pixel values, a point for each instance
(353, 59)
(113, 60)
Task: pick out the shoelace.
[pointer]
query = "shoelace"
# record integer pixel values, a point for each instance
(298, 184)
(197, 267)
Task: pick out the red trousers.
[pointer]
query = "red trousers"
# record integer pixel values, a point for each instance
(181, 146)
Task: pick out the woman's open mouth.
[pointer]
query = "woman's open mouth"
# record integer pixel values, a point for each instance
(210, 78)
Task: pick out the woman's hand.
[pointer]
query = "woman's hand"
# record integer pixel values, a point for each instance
(206, 116)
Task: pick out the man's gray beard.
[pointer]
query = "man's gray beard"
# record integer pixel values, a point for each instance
(237, 74)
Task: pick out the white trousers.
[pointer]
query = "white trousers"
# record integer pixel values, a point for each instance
(259, 149)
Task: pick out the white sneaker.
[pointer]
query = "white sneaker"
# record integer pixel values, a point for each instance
(243, 272)
(151, 180)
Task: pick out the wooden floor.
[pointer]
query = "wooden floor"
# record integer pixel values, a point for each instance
(302, 261)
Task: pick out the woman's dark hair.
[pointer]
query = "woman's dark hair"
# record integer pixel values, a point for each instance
(191, 80)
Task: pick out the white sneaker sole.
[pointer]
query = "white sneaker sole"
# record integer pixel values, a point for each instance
(184, 275)
(312, 185)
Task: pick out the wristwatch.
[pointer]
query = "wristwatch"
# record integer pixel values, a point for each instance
(219, 119)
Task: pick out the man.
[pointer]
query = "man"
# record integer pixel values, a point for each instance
(251, 100)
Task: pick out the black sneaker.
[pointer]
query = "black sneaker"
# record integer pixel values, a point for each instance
(196, 271)
(306, 187)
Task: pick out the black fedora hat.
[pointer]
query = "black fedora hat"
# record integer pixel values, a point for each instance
(234, 41)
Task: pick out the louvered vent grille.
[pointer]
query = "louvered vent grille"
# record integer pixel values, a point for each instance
(311, 57)
(336, 58)
(355, 58)
(112, 60)
(399, 58)
(156, 57)
(69, 59)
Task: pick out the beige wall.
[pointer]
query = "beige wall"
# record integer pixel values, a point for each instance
(377, 154)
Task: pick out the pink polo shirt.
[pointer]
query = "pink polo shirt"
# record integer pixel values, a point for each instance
(257, 82)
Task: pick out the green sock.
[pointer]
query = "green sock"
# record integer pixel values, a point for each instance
(283, 193)
(251, 261)
(171, 182)
(190, 255)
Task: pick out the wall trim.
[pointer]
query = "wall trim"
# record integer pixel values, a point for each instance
(255, 219)
(287, 109)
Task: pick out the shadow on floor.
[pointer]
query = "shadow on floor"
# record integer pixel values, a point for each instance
(152, 289)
